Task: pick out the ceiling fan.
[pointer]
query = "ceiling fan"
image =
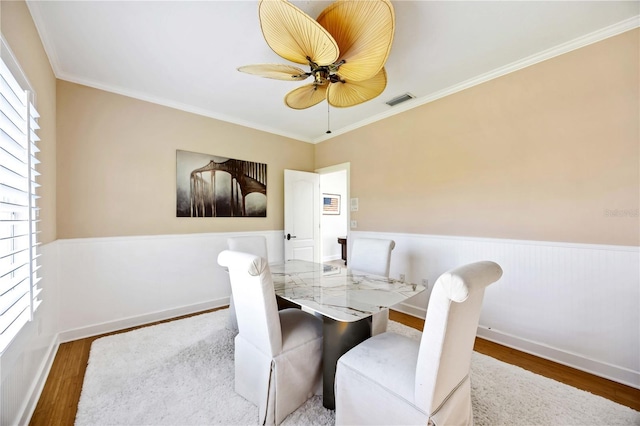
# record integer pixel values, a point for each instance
(345, 48)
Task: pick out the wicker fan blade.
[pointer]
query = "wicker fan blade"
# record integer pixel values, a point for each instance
(294, 35)
(364, 32)
(306, 96)
(350, 93)
(275, 71)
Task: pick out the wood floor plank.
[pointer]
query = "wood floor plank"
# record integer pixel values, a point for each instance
(58, 402)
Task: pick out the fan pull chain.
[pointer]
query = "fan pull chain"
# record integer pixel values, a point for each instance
(328, 119)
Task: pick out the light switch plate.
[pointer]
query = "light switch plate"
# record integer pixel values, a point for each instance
(354, 204)
(354, 224)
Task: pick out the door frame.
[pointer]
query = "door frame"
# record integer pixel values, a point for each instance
(332, 169)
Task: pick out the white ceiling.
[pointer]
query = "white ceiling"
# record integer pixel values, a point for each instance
(185, 54)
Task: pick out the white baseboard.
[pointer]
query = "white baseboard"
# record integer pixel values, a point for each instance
(409, 309)
(38, 384)
(330, 258)
(121, 324)
(579, 362)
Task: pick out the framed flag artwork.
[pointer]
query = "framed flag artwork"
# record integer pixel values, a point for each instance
(330, 203)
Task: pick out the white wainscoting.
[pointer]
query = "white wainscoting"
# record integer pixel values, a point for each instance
(113, 283)
(25, 364)
(577, 304)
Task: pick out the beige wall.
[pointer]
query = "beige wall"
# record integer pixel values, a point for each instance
(117, 165)
(544, 154)
(20, 33)
(550, 153)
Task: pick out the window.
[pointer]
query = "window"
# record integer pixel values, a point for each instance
(18, 210)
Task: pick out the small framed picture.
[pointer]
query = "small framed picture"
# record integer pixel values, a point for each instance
(330, 203)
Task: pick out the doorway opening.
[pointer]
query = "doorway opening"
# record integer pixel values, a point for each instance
(334, 218)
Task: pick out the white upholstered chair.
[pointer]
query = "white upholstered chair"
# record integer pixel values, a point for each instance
(256, 245)
(373, 256)
(278, 354)
(390, 379)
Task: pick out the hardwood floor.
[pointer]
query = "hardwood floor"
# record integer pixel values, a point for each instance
(59, 400)
(609, 389)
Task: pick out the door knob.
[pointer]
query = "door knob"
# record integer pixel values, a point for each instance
(289, 236)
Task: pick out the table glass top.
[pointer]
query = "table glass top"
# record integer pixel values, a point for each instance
(337, 292)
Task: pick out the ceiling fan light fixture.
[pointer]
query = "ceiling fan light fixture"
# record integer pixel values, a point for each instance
(400, 99)
(345, 48)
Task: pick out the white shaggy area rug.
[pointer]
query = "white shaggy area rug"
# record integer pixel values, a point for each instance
(181, 373)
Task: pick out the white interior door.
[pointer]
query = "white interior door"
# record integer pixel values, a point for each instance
(301, 216)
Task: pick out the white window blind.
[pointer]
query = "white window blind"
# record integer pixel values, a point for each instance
(18, 207)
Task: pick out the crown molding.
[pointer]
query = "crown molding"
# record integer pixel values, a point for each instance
(577, 43)
(179, 106)
(49, 46)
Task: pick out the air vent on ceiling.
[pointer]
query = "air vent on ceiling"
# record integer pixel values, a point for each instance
(400, 99)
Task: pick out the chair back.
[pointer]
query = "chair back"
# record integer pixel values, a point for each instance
(256, 245)
(371, 255)
(449, 332)
(255, 300)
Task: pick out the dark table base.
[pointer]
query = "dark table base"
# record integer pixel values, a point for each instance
(338, 338)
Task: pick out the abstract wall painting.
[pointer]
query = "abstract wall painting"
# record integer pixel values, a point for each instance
(212, 186)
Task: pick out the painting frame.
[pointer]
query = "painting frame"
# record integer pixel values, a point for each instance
(331, 204)
(209, 185)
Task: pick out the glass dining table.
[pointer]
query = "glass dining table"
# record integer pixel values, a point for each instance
(346, 299)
